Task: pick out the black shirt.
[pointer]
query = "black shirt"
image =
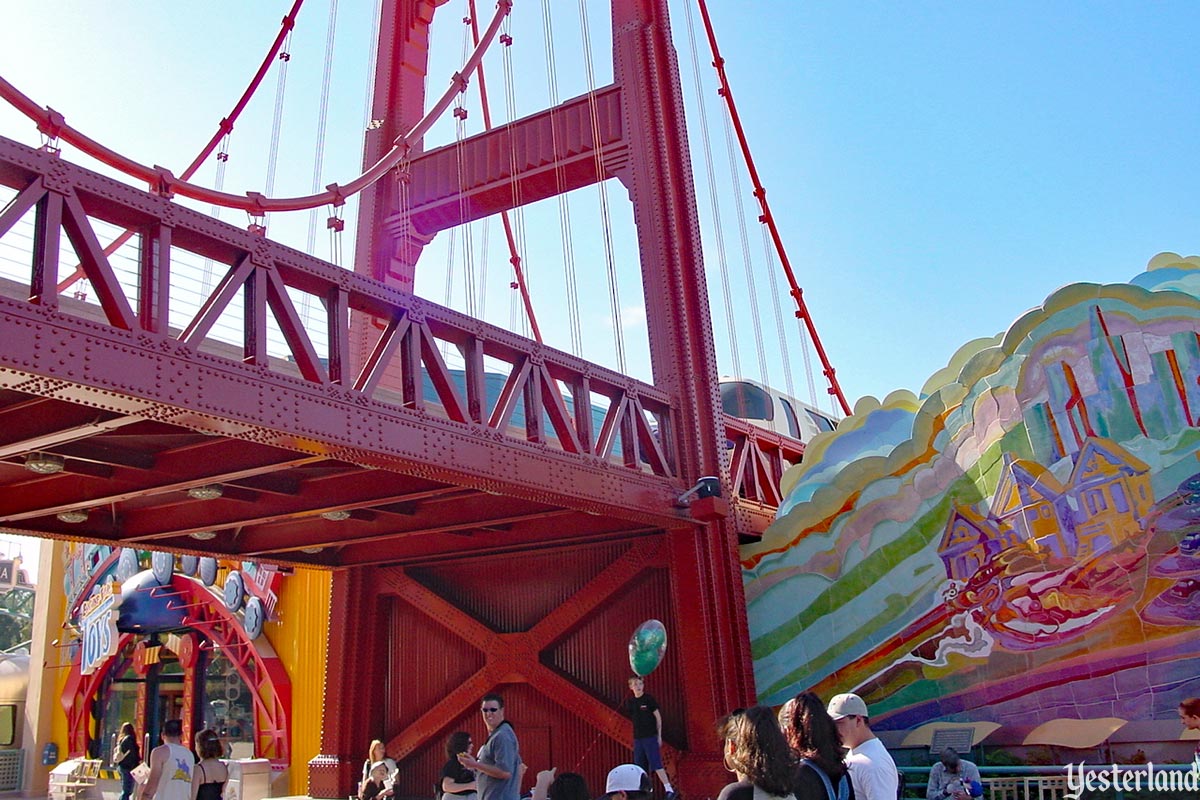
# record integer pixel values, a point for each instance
(642, 709)
(457, 773)
(128, 745)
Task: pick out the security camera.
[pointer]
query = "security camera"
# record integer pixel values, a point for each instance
(708, 486)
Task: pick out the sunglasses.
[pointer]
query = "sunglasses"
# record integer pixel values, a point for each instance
(489, 710)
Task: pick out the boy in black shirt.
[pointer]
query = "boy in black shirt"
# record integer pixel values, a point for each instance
(647, 732)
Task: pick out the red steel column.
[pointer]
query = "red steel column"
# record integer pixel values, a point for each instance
(349, 680)
(709, 601)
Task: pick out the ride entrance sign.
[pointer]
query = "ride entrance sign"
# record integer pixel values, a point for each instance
(98, 621)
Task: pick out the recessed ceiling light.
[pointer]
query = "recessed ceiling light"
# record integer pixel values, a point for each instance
(337, 515)
(210, 492)
(311, 550)
(73, 516)
(44, 463)
(203, 536)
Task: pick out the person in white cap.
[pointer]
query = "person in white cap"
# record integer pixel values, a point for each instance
(872, 770)
(628, 782)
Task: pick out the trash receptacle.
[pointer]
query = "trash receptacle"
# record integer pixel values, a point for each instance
(249, 779)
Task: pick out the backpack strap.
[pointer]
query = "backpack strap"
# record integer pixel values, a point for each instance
(808, 762)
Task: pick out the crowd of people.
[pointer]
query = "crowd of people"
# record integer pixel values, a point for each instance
(805, 752)
(808, 751)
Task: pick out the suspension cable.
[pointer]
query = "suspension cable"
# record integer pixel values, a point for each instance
(714, 202)
(519, 277)
(221, 137)
(767, 218)
(510, 104)
(52, 124)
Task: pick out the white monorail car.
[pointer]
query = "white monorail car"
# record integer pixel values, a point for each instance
(768, 408)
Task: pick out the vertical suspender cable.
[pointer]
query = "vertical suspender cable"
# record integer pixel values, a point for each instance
(322, 121)
(747, 262)
(760, 194)
(515, 232)
(285, 56)
(467, 228)
(564, 201)
(514, 259)
(781, 329)
(714, 201)
(614, 297)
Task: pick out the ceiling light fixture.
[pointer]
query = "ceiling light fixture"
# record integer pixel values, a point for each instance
(311, 550)
(208, 492)
(337, 515)
(72, 516)
(203, 536)
(44, 463)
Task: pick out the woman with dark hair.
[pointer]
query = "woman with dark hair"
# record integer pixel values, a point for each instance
(458, 782)
(210, 774)
(821, 773)
(126, 757)
(756, 752)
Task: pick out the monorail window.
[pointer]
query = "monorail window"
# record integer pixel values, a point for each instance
(793, 423)
(746, 400)
(8, 725)
(822, 422)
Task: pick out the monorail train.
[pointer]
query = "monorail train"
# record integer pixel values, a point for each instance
(768, 408)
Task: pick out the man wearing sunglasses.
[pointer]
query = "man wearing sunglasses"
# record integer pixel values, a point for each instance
(497, 764)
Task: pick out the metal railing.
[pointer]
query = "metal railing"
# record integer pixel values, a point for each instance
(1064, 782)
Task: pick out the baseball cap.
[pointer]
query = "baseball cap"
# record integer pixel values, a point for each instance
(627, 778)
(846, 705)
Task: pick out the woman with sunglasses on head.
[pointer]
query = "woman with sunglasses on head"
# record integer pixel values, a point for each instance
(756, 752)
(812, 736)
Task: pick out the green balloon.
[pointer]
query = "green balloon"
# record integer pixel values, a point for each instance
(647, 647)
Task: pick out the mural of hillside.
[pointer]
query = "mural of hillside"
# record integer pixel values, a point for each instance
(1019, 543)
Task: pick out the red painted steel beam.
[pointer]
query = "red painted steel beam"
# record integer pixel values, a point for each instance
(517, 160)
(154, 376)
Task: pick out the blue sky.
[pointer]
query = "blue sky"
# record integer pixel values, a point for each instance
(936, 168)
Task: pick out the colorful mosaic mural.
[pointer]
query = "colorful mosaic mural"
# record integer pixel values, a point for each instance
(1019, 543)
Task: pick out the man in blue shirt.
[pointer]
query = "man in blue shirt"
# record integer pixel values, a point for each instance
(497, 765)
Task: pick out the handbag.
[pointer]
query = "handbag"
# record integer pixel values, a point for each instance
(141, 773)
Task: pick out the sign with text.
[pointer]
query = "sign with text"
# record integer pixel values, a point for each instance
(98, 622)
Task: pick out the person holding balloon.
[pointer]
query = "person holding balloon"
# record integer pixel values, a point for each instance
(647, 647)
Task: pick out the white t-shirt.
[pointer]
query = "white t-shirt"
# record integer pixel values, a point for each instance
(872, 771)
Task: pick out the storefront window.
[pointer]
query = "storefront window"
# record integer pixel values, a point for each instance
(120, 706)
(229, 707)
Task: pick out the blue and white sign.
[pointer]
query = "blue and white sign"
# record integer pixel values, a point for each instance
(98, 621)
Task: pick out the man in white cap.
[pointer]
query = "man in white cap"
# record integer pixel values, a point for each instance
(628, 782)
(872, 770)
